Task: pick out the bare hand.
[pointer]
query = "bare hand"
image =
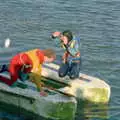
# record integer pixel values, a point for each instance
(43, 93)
(56, 34)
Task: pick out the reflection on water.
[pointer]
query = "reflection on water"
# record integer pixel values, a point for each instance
(92, 111)
(85, 111)
(7, 116)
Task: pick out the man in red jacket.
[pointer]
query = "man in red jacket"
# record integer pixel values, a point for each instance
(28, 63)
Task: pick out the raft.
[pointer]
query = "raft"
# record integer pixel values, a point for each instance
(61, 102)
(85, 87)
(53, 106)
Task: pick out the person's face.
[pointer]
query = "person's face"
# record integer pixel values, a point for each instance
(64, 39)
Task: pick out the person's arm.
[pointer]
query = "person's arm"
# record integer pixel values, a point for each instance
(35, 77)
(56, 38)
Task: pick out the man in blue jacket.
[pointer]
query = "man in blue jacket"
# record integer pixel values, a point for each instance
(71, 57)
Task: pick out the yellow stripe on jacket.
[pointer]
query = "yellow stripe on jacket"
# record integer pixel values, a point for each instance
(35, 74)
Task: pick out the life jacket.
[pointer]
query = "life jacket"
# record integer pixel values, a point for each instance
(73, 47)
(37, 59)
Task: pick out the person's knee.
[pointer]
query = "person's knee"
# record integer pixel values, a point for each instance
(61, 74)
(74, 74)
(63, 70)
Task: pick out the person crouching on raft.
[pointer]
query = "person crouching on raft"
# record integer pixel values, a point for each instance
(71, 57)
(28, 65)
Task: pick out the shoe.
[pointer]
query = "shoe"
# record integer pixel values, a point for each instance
(3, 68)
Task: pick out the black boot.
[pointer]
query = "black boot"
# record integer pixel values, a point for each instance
(3, 68)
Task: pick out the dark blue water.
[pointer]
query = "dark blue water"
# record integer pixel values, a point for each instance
(29, 24)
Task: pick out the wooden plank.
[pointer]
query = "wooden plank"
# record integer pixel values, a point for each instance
(57, 81)
(59, 91)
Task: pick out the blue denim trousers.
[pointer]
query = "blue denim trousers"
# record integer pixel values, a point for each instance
(72, 70)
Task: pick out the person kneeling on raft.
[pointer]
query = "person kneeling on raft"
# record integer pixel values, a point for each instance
(71, 58)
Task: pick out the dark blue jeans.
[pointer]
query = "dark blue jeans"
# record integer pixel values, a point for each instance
(72, 70)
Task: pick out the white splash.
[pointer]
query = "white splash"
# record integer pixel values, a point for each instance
(7, 43)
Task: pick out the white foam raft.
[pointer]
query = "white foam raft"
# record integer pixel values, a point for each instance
(56, 106)
(85, 87)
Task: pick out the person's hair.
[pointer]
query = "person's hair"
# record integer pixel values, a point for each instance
(49, 53)
(68, 34)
